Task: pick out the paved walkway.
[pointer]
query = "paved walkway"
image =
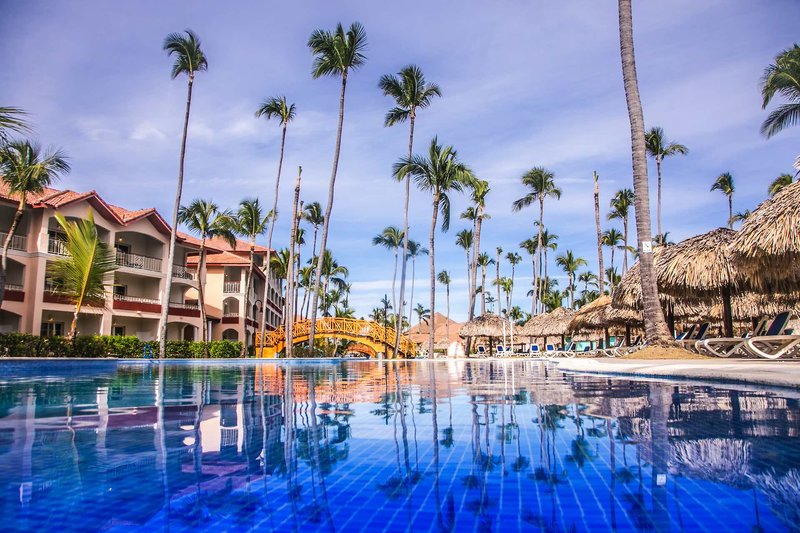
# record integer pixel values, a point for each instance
(771, 373)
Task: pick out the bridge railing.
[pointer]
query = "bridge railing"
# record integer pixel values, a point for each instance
(332, 326)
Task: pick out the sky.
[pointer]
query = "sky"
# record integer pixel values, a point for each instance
(523, 84)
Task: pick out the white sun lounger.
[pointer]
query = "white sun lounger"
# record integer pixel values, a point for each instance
(728, 346)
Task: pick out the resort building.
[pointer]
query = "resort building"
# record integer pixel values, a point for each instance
(133, 306)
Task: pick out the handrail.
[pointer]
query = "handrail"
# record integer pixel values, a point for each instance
(137, 299)
(18, 242)
(332, 326)
(127, 259)
(182, 272)
(231, 286)
(56, 246)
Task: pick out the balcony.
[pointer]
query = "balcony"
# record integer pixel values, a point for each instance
(231, 286)
(14, 293)
(141, 262)
(184, 309)
(18, 242)
(181, 272)
(230, 318)
(125, 302)
(56, 246)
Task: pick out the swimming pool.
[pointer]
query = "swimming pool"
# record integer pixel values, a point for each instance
(381, 446)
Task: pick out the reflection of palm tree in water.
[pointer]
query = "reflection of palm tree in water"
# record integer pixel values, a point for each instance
(325, 507)
(446, 519)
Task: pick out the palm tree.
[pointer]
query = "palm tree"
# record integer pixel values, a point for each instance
(291, 314)
(391, 238)
(439, 173)
(274, 107)
(484, 261)
(410, 92)
(82, 276)
(480, 190)
(26, 169)
(513, 259)
(741, 216)
(540, 184)
(507, 286)
(422, 313)
(335, 53)
(415, 250)
(782, 77)
(612, 238)
(549, 242)
(724, 184)
(312, 213)
(499, 252)
(596, 179)
(779, 183)
(588, 278)
(12, 119)
(204, 218)
(656, 330)
(444, 279)
(621, 205)
(570, 265)
(612, 277)
(250, 222)
(663, 239)
(465, 240)
(658, 148)
(189, 60)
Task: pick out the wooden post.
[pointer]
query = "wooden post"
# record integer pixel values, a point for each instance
(727, 311)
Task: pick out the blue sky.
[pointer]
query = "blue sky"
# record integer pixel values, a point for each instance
(524, 84)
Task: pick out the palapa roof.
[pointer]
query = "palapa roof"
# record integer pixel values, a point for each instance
(486, 325)
(600, 314)
(699, 265)
(767, 248)
(552, 324)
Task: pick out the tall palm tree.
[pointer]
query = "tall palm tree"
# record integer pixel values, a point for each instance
(25, 168)
(782, 77)
(480, 190)
(279, 108)
(656, 330)
(444, 279)
(588, 278)
(540, 185)
(250, 223)
(513, 259)
(741, 216)
(391, 238)
(439, 173)
(312, 213)
(415, 250)
(549, 242)
(498, 257)
(612, 238)
(333, 272)
(658, 148)
(598, 231)
(484, 261)
(204, 218)
(422, 313)
(410, 92)
(291, 315)
(12, 119)
(507, 286)
(724, 184)
(621, 204)
(189, 60)
(336, 53)
(779, 183)
(82, 276)
(465, 240)
(570, 264)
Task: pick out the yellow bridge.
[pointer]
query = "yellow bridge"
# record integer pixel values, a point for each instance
(365, 332)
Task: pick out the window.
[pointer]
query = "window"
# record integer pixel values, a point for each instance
(118, 331)
(52, 329)
(121, 290)
(124, 248)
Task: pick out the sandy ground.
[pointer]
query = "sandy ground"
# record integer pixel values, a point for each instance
(653, 352)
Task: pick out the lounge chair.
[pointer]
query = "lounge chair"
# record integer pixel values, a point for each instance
(534, 350)
(611, 351)
(501, 351)
(690, 341)
(687, 334)
(549, 349)
(728, 346)
(774, 343)
(636, 344)
(567, 351)
(481, 350)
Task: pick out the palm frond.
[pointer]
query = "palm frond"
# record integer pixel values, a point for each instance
(189, 57)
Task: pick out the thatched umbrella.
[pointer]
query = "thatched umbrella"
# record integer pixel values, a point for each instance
(487, 325)
(699, 267)
(602, 315)
(552, 324)
(767, 248)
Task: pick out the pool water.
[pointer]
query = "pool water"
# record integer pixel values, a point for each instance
(383, 446)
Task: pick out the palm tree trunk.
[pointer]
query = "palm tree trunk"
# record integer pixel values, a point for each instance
(538, 290)
(267, 272)
(73, 328)
(394, 288)
(658, 171)
(474, 272)
(599, 232)
(162, 326)
(571, 290)
(328, 209)
(483, 290)
(201, 295)
(625, 243)
(447, 324)
(7, 244)
(730, 211)
(289, 330)
(249, 283)
(533, 291)
(411, 296)
(431, 322)
(656, 331)
(611, 281)
(401, 311)
(497, 282)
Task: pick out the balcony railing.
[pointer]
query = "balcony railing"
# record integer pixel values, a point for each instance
(18, 242)
(14, 287)
(143, 262)
(230, 286)
(234, 314)
(191, 307)
(56, 246)
(136, 299)
(180, 271)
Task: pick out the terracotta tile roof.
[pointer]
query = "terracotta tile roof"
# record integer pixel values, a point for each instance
(241, 246)
(126, 215)
(222, 258)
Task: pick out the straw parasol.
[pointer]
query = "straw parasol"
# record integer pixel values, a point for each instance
(601, 315)
(552, 324)
(767, 248)
(487, 325)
